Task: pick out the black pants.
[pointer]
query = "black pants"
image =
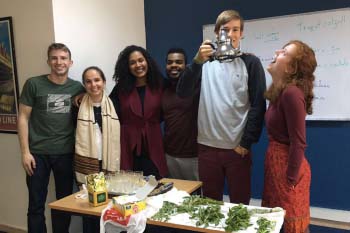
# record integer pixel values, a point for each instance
(144, 163)
(37, 184)
(91, 225)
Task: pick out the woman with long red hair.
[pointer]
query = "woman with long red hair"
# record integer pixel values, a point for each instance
(287, 172)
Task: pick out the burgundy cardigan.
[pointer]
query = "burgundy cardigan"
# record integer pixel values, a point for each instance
(137, 128)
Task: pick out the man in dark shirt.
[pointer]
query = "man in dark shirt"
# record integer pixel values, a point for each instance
(180, 118)
(46, 136)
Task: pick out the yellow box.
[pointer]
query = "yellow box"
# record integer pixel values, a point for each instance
(98, 198)
(127, 208)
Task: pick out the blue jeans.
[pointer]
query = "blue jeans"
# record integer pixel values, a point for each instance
(37, 184)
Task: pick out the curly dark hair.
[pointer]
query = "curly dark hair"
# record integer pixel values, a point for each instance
(304, 64)
(125, 81)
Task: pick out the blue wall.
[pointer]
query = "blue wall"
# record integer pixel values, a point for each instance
(179, 23)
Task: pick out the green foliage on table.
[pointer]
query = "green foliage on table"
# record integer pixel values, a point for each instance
(193, 205)
(168, 209)
(265, 225)
(206, 211)
(196, 200)
(238, 218)
(208, 215)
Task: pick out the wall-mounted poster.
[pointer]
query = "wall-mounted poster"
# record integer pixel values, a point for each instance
(8, 78)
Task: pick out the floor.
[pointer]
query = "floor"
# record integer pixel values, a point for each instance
(318, 229)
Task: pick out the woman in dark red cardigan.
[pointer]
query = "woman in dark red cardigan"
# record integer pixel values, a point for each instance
(137, 99)
(287, 172)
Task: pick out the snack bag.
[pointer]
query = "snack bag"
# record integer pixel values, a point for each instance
(97, 190)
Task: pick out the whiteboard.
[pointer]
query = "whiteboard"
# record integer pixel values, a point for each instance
(328, 33)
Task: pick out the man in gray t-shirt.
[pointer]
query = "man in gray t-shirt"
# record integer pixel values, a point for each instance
(46, 136)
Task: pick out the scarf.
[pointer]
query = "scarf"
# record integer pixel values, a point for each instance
(86, 153)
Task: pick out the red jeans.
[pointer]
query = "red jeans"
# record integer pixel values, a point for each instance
(216, 164)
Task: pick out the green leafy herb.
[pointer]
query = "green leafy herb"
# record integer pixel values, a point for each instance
(259, 211)
(265, 225)
(207, 215)
(168, 209)
(238, 218)
(197, 200)
(194, 206)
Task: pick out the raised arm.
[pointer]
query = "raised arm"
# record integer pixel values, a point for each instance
(28, 161)
(193, 72)
(188, 80)
(115, 99)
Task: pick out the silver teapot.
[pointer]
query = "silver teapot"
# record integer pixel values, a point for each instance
(224, 52)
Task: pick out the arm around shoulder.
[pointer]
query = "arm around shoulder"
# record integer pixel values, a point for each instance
(189, 79)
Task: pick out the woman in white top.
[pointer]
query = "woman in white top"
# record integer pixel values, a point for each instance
(97, 146)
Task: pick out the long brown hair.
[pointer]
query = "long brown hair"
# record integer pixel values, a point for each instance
(304, 64)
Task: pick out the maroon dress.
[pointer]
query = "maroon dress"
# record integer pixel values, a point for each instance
(287, 172)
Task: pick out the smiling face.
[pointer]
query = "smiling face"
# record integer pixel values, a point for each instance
(59, 62)
(175, 64)
(94, 84)
(234, 31)
(138, 67)
(281, 66)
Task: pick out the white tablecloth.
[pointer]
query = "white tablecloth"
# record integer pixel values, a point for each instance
(137, 222)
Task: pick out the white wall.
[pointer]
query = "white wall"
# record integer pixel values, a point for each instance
(96, 31)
